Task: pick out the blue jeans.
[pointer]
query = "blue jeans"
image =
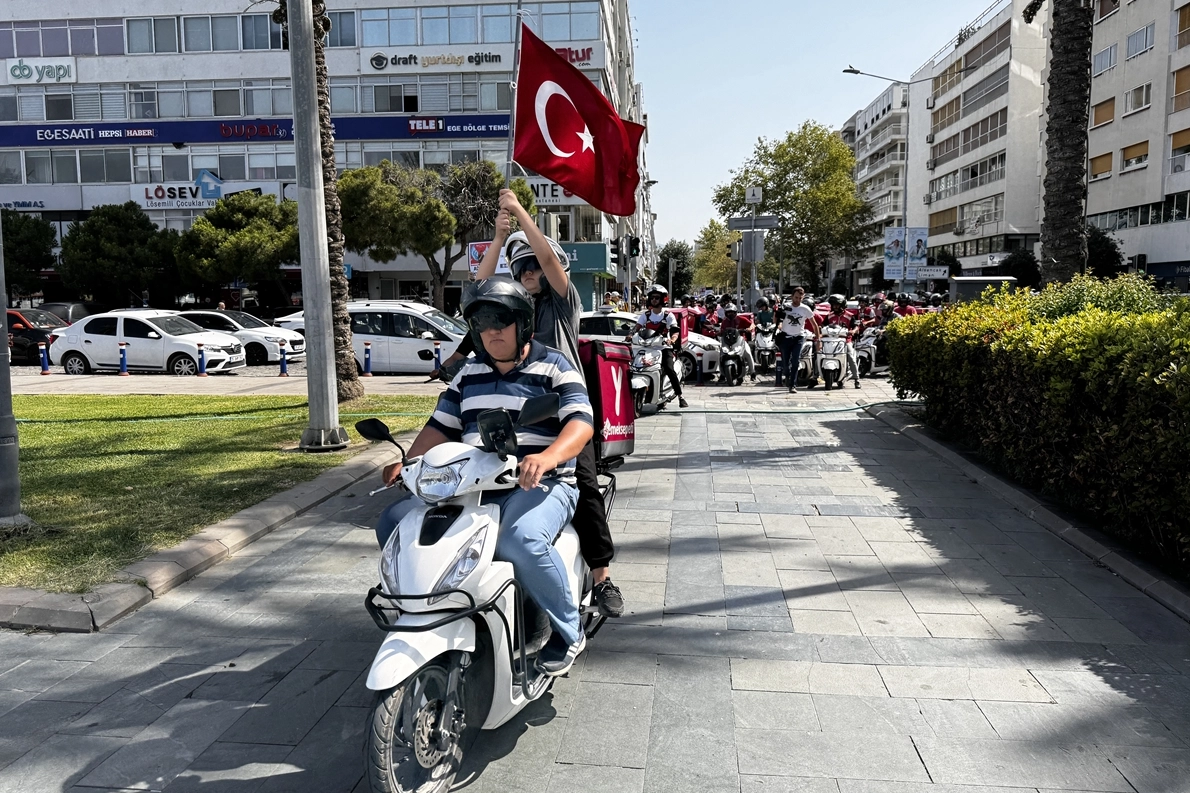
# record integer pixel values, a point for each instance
(529, 521)
(791, 357)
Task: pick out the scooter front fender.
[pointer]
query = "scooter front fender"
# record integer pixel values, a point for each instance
(403, 653)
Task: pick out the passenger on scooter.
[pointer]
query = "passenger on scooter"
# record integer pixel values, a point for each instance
(840, 318)
(732, 319)
(511, 369)
(797, 323)
(764, 314)
(556, 317)
(867, 312)
(658, 319)
(904, 307)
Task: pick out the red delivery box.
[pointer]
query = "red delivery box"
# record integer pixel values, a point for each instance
(606, 367)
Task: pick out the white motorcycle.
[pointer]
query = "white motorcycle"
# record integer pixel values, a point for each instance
(866, 351)
(832, 359)
(651, 389)
(461, 635)
(731, 357)
(766, 347)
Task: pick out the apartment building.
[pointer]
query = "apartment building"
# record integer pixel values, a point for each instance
(172, 106)
(1138, 182)
(880, 138)
(974, 175)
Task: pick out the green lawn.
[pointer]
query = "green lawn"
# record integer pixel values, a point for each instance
(110, 479)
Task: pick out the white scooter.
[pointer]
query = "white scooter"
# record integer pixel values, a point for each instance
(731, 357)
(462, 636)
(866, 351)
(832, 360)
(766, 347)
(651, 389)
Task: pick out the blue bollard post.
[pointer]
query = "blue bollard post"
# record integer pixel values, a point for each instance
(780, 363)
(437, 355)
(698, 369)
(45, 357)
(202, 361)
(123, 359)
(367, 359)
(284, 361)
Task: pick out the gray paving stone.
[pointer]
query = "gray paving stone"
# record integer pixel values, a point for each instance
(924, 682)
(1151, 770)
(958, 626)
(872, 786)
(1055, 723)
(809, 678)
(31, 722)
(884, 614)
(1148, 619)
(956, 719)
(165, 748)
(840, 714)
(772, 710)
(291, 708)
(233, 768)
(38, 675)
(57, 763)
(1017, 618)
(569, 778)
(977, 577)
(1058, 598)
(754, 601)
(609, 725)
(829, 755)
(11, 699)
(750, 783)
(630, 668)
(328, 758)
(692, 737)
(797, 554)
(1020, 764)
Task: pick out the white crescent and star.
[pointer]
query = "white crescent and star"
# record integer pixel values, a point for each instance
(548, 89)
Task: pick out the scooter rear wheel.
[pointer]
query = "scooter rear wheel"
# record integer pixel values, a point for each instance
(395, 766)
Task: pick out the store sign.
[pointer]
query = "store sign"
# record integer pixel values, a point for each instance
(925, 273)
(548, 194)
(377, 127)
(589, 257)
(40, 71)
(494, 58)
(22, 205)
(202, 193)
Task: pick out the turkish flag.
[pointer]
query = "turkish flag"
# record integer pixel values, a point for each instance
(567, 131)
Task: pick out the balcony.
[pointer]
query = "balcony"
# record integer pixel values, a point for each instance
(968, 184)
(885, 134)
(1183, 38)
(1177, 163)
(1181, 101)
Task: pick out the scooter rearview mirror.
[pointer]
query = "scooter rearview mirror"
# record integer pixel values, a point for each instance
(538, 409)
(374, 430)
(497, 432)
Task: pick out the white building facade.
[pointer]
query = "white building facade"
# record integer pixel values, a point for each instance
(172, 110)
(1138, 182)
(880, 142)
(976, 120)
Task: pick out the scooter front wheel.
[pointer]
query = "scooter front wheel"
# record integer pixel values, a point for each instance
(405, 752)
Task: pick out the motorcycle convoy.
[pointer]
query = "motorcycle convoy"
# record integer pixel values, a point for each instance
(461, 635)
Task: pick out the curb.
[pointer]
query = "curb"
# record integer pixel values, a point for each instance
(1165, 591)
(26, 609)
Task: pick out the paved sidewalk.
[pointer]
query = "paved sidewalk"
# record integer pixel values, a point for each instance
(27, 380)
(816, 605)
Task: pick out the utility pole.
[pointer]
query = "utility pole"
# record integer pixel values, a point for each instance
(10, 478)
(324, 432)
(671, 278)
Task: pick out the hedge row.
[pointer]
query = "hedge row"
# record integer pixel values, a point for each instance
(1081, 392)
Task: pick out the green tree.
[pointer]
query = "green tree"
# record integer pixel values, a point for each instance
(347, 380)
(244, 236)
(840, 283)
(683, 257)
(390, 210)
(1022, 265)
(1104, 257)
(28, 249)
(713, 266)
(1068, 98)
(807, 183)
(115, 254)
(950, 261)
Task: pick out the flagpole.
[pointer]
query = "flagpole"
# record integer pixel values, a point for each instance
(516, 74)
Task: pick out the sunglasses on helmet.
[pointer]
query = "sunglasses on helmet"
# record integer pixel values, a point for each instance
(523, 265)
(491, 318)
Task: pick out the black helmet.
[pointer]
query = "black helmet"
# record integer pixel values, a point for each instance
(500, 292)
(762, 304)
(837, 301)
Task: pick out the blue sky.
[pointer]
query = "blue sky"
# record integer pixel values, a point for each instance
(718, 75)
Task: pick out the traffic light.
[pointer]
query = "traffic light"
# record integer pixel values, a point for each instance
(634, 246)
(734, 250)
(617, 259)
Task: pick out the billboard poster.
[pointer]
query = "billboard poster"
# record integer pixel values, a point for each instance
(475, 252)
(894, 253)
(917, 250)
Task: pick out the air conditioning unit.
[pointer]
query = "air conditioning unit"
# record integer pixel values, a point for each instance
(928, 198)
(930, 103)
(930, 138)
(959, 230)
(929, 165)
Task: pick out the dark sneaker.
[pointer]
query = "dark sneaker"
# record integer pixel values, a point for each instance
(682, 403)
(793, 389)
(857, 385)
(753, 376)
(609, 598)
(556, 658)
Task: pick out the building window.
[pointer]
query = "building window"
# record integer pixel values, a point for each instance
(342, 29)
(59, 107)
(109, 37)
(1141, 40)
(1135, 155)
(153, 35)
(1101, 166)
(989, 48)
(343, 99)
(495, 96)
(226, 102)
(986, 90)
(435, 26)
(8, 108)
(231, 167)
(391, 27)
(985, 210)
(1181, 89)
(105, 165)
(207, 34)
(464, 27)
(1107, 7)
(175, 167)
(1179, 144)
(392, 99)
(943, 222)
(1138, 98)
(946, 115)
(951, 76)
(945, 151)
(1103, 113)
(10, 167)
(1184, 26)
(985, 131)
(497, 23)
(65, 165)
(1104, 59)
(260, 32)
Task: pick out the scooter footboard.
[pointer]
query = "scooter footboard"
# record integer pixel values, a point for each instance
(402, 654)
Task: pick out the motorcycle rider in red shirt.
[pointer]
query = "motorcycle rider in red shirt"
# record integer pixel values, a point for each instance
(840, 318)
(732, 319)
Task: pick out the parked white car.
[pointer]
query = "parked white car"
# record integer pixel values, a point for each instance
(262, 341)
(402, 334)
(156, 341)
(607, 324)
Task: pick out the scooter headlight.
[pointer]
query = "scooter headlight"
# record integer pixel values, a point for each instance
(650, 357)
(439, 484)
(462, 566)
(388, 563)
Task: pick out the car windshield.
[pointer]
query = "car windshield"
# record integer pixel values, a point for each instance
(448, 322)
(174, 326)
(245, 320)
(42, 320)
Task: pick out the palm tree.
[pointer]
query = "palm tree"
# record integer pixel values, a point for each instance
(1063, 227)
(346, 375)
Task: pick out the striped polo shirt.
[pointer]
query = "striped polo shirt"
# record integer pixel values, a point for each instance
(479, 386)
